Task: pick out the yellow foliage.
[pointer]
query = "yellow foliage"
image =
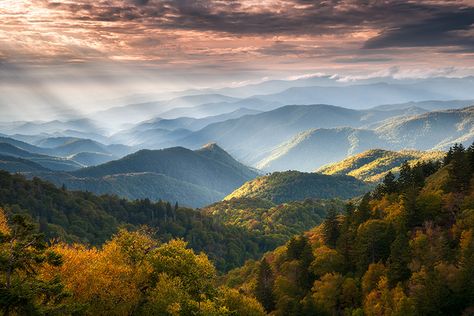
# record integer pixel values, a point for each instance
(372, 276)
(372, 165)
(326, 260)
(239, 304)
(327, 290)
(4, 228)
(384, 301)
(101, 279)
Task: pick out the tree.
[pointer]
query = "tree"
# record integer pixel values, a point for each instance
(239, 304)
(410, 216)
(389, 185)
(373, 243)
(399, 259)
(327, 293)
(331, 228)
(459, 170)
(363, 212)
(264, 286)
(300, 249)
(22, 252)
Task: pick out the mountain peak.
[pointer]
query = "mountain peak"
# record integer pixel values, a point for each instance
(212, 146)
(214, 151)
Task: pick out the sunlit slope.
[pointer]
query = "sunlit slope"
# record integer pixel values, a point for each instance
(372, 165)
(280, 187)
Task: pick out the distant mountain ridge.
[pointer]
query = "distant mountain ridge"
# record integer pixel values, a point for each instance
(253, 137)
(314, 148)
(45, 161)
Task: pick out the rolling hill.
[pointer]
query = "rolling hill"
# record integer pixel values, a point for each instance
(17, 165)
(191, 166)
(194, 178)
(280, 187)
(139, 185)
(48, 162)
(372, 165)
(88, 159)
(281, 221)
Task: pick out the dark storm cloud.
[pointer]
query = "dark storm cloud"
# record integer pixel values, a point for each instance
(444, 29)
(402, 23)
(292, 17)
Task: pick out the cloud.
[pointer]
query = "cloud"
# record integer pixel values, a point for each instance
(253, 17)
(355, 60)
(247, 36)
(444, 29)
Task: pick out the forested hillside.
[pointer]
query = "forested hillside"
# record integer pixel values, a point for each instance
(406, 249)
(194, 178)
(373, 165)
(280, 187)
(131, 274)
(88, 218)
(280, 222)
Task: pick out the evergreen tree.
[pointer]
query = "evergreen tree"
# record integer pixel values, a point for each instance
(405, 179)
(389, 183)
(331, 228)
(363, 210)
(449, 156)
(346, 240)
(399, 259)
(470, 158)
(459, 170)
(410, 216)
(22, 251)
(300, 249)
(264, 286)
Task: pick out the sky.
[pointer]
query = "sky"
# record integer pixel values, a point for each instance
(64, 54)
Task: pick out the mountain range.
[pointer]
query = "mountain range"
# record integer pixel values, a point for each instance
(313, 148)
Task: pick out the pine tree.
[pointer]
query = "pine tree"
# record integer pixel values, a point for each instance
(347, 237)
(399, 258)
(264, 286)
(405, 179)
(22, 251)
(363, 210)
(410, 216)
(331, 228)
(459, 170)
(389, 183)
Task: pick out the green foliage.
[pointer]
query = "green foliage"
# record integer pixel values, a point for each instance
(264, 286)
(280, 222)
(85, 217)
(331, 228)
(22, 253)
(280, 187)
(375, 164)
